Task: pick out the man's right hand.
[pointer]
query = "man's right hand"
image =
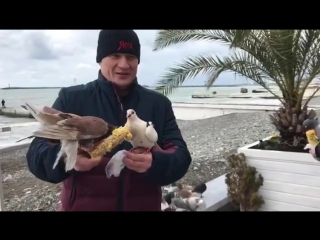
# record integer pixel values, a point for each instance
(85, 163)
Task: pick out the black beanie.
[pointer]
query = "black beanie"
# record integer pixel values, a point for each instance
(117, 41)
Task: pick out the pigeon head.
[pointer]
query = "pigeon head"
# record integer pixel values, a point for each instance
(131, 113)
(309, 124)
(200, 188)
(150, 124)
(168, 197)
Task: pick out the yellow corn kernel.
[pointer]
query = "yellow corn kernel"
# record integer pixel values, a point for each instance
(118, 136)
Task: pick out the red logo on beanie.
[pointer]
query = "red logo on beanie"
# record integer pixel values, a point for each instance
(125, 45)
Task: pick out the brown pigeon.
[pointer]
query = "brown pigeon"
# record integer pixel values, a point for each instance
(72, 130)
(46, 116)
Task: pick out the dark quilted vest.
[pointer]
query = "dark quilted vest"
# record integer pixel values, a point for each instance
(92, 190)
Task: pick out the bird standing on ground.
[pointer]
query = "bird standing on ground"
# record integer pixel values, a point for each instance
(144, 136)
(168, 197)
(188, 191)
(184, 192)
(73, 131)
(200, 188)
(183, 198)
(190, 204)
(172, 188)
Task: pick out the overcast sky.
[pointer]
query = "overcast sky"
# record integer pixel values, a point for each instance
(57, 57)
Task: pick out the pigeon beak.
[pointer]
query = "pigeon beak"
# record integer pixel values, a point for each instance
(128, 115)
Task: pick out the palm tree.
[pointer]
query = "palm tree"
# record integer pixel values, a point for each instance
(288, 58)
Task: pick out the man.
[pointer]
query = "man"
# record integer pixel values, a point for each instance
(138, 188)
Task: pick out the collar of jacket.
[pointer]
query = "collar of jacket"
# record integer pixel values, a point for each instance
(108, 86)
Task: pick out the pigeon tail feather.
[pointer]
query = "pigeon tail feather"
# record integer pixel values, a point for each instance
(33, 110)
(115, 165)
(69, 150)
(24, 138)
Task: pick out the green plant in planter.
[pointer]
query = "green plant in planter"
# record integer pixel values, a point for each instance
(243, 184)
(288, 58)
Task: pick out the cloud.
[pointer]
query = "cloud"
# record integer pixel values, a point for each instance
(63, 57)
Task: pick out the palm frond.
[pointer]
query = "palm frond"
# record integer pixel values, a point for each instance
(240, 63)
(311, 96)
(166, 38)
(188, 69)
(290, 58)
(239, 36)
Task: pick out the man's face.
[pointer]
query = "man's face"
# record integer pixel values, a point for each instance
(120, 68)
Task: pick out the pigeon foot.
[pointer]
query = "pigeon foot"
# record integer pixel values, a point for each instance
(140, 150)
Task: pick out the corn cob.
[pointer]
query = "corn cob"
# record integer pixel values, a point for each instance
(312, 138)
(118, 136)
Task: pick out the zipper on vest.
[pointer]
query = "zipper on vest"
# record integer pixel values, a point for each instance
(121, 192)
(121, 195)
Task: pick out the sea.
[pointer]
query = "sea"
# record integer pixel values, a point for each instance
(22, 127)
(14, 98)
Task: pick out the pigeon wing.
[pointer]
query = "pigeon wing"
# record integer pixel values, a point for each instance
(52, 116)
(62, 115)
(49, 119)
(46, 115)
(72, 129)
(151, 134)
(58, 132)
(88, 125)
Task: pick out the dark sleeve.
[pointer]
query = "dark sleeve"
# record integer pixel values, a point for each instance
(42, 154)
(172, 162)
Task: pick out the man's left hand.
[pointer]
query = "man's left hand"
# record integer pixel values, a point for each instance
(138, 162)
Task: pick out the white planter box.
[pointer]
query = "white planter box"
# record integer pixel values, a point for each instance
(291, 180)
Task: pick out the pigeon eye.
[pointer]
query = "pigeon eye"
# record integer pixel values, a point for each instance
(132, 112)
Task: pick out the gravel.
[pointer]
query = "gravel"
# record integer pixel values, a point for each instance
(22, 191)
(209, 141)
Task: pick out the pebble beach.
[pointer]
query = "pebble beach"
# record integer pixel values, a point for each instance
(209, 141)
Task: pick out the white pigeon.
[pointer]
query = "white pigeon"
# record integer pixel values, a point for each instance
(143, 133)
(143, 136)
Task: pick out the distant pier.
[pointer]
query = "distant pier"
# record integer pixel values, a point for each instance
(11, 112)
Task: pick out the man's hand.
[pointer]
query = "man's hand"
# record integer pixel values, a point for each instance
(85, 163)
(138, 162)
